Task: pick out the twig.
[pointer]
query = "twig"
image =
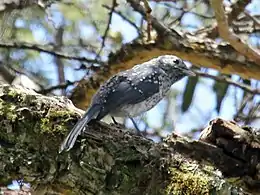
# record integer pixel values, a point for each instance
(148, 11)
(58, 61)
(40, 48)
(161, 29)
(230, 81)
(114, 4)
(229, 36)
(237, 8)
(60, 86)
(30, 75)
(240, 110)
(125, 18)
(256, 21)
(184, 11)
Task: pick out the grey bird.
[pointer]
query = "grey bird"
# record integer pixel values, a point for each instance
(131, 92)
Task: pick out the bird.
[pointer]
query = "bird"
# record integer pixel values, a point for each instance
(131, 92)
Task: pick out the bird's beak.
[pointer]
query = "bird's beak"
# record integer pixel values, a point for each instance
(189, 72)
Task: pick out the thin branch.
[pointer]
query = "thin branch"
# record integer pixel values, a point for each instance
(125, 18)
(58, 61)
(6, 73)
(230, 81)
(114, 4)
(237, 8)
(228, 35)
(158, 26)
(240, 110)
(148, 11)
(184, 11)
(60, 86)
(30, 75)
(256, 21)
(40, 48)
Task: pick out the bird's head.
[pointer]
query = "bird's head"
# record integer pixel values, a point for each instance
(174, 66)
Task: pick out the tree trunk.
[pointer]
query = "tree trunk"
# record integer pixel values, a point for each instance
(109, 159)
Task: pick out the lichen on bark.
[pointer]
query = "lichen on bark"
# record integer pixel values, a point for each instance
(106, 159)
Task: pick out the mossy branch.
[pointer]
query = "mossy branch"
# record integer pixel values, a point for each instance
(106, 159)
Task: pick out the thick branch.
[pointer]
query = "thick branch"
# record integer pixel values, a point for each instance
(109, 160)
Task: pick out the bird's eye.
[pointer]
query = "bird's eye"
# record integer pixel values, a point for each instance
(176, 61)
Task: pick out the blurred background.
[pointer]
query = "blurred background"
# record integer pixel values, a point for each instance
(51, 45)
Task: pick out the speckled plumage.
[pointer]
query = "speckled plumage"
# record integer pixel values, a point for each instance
(132, 92)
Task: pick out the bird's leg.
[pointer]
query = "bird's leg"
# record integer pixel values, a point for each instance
(114, 120)
(116, 123)
(136, 127)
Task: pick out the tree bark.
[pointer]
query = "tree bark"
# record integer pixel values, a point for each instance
(109, 159)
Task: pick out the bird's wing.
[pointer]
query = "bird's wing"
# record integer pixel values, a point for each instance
(129, 87)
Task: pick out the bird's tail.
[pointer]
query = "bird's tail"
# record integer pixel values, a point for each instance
(70, 140)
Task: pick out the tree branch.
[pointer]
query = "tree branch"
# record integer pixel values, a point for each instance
(125, 18)
(237, 8)
(110, 160)
(114, 4)
(231, 82)
(228, 35)
(59, 86)
(58, 61)
(46, 49)
(6, 73)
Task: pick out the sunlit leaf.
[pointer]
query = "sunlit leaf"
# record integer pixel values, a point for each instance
(220, 89)
(189, 93)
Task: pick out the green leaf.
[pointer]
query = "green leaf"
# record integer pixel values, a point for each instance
(220, 89)
(189, 93)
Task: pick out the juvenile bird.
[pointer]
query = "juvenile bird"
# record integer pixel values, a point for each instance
(132, 92)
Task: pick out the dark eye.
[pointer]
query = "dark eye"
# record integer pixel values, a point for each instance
(176, 61)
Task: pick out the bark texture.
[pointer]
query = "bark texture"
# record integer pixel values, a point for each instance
(111, 160)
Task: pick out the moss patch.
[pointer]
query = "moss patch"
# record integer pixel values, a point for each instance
(56, 121)
(188, 183)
